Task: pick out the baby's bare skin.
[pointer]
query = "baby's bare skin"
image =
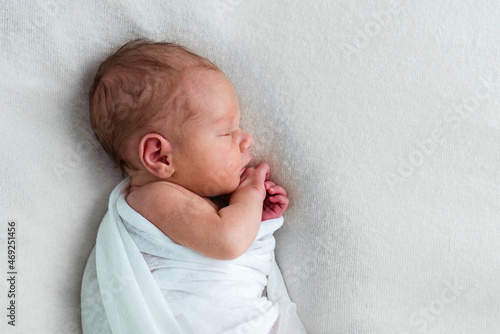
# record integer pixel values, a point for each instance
(201, 195)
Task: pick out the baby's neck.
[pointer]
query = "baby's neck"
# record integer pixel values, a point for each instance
(217, 202)
(139, 179)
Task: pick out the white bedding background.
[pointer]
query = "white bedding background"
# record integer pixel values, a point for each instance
(380, 118)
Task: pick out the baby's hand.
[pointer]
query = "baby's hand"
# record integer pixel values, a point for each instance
(275, 202)
(254, 177)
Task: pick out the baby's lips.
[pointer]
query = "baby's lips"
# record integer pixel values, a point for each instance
(249, 159)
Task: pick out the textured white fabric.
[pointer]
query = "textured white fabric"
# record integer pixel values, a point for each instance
(143, 282)
(380, 118)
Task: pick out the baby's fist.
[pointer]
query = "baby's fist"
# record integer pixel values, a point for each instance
(275, 202)
(254, 177)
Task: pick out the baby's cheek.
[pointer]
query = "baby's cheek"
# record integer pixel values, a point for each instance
(231, 167)
(234, 161)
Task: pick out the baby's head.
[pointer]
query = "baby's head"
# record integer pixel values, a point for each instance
(164, 113)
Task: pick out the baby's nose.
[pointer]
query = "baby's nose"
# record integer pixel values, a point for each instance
(246, 141)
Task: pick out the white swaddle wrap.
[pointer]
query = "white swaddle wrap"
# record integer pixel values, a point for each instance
(137, 280)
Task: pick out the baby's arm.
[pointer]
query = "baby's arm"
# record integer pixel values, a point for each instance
(244, 211)
(189, 220)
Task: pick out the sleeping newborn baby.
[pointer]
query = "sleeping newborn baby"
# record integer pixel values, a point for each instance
(201, 218)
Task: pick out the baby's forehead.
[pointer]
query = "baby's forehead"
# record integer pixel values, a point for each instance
(201, 86)
(181, 102)
(197, 81)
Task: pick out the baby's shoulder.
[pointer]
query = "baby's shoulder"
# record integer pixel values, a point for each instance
(159, 200)
(166, 193)
(182, 215)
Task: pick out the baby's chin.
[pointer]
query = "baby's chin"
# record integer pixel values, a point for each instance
(228, 191)
(219, 190)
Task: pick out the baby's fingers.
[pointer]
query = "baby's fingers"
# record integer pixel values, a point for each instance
(279, 199)
(268, 184)
(276, 190)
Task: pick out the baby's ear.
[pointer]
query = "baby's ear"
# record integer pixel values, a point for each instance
(155, 152)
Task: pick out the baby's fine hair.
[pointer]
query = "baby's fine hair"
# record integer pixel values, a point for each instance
(135, 86)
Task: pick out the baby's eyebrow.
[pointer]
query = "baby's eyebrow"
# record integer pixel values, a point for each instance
(226, 119)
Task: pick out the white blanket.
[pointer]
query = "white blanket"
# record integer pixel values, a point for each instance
(177, 290)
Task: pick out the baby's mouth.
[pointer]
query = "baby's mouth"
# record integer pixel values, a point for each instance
(244, 168)
(248, 162)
